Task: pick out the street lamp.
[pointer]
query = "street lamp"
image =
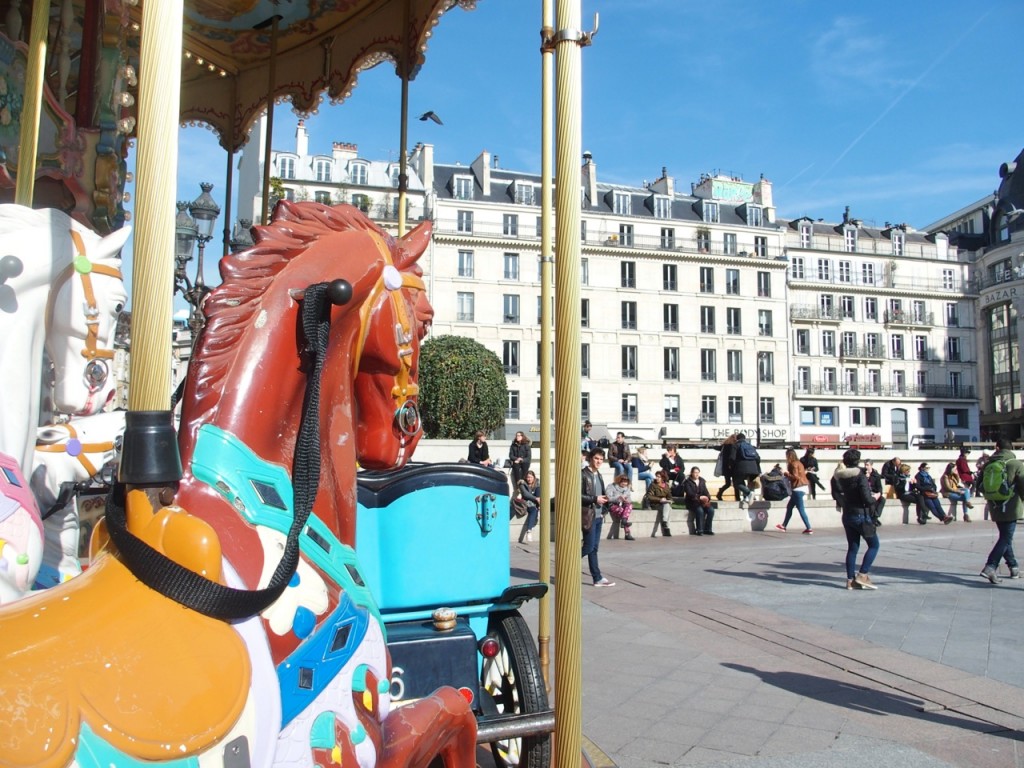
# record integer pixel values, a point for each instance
(194, 223)
(761, 357)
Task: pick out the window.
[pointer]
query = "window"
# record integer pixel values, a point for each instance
(899, 382)
(803, 341)
(671, 355)
(850, 380)
(845, 272)
(540, 308)
(362, 202)
(729, 243)
(828, 343)
(953, 349)
(510, 304)
(585, 360)
(584, 271)
(512, 410)
(672, 408)
(287, 167)
(395, 174)
(766, 367)
(709, 212)
(805, 236)
(524, 193)
(324, 198)
(850, 237)
(465, 221)
(629, 315)
(707, 280)
(871, 309)
(767, 408)
(920, 347)
(955, 381)
(764, 284)
(703, 240)
(511, 266)
(948, 280)
(709, 408)
(584, 405)
(732, 282)
(583, 230)
(510, 357)
(764, 322)
(848, 345)
(708, 369)
(670, 315)
(867, 274)
(662, 207)
(628, 362)
(732, 321)
(952, 315)
(289, 194)
(873, 344)
(825, 270)
(896, 346)
(796, 268)
(462, 187)
(761, 246)
(874, 381)
(627, 274)
(539, 227)
(584, 313)
(896, 310)
(668, 237)
(926, 418)
(629, 412)
(622, 203)
(898, 242)
(669, 274)
(807, 415)
(510, 224)
(917, 311)
(357, 173)
(826, 302)
(465, 263)
(921, 380)
(735, 410)
(734, 365)
(754, 216)
(464, 307)
(846, 307)
(626, 234)
(322, 170)
(803, 379)
(828, 380)
(707, 319)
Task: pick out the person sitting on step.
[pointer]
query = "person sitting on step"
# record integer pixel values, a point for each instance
(698, 503)
(659, 498)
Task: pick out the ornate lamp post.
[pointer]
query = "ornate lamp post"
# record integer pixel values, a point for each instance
(193, 224)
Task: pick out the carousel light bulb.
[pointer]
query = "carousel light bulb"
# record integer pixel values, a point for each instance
(188, 54)
(125, 99)
(199, 60)
(126, 124)
(126, 197)
(129, 177)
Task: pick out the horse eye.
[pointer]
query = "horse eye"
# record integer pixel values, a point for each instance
(118, 308)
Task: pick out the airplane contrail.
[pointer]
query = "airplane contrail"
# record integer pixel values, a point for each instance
(899, 98)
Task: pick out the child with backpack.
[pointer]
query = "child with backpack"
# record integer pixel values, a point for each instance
(1002, 481)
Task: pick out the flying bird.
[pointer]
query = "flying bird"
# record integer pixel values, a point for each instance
(431, 116)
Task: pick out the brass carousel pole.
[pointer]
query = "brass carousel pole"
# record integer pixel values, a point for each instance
(272, 22)
(150, 455)
(28, 145)
(568, 39)
(403, 140)
(546, 261)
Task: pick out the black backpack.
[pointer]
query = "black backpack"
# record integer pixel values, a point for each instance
(748, 452)
(774, 490)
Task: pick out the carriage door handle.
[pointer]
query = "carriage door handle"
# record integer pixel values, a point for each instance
(486, 512)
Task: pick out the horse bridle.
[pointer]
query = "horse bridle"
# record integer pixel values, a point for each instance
(96, 367)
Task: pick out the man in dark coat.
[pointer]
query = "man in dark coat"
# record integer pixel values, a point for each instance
(746, 467)
(851, 491)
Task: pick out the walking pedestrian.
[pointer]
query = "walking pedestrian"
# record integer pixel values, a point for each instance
(727, 458)
(594, 499)
(798, 481)
(811, 468)
(850, 489)
(746, 468)
(1003, 480)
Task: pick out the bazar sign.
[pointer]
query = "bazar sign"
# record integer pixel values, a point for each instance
(1003, 294)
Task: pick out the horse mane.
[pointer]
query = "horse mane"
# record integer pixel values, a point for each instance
(231, 307)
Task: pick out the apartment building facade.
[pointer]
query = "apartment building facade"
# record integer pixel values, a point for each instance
(702, 313)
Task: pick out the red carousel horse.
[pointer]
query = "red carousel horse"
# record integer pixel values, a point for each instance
(105, 670)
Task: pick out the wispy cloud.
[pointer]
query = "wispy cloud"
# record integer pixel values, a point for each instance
(849, 55)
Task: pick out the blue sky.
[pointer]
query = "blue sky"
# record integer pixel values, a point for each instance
(903, 111)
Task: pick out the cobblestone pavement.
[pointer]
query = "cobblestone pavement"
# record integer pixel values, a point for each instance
(745, 649)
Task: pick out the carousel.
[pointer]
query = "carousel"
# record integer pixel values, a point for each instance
(226, 616)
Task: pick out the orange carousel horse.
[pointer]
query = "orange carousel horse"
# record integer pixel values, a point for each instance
(240, 632)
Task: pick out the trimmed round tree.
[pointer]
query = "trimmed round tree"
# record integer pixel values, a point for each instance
(462, 388)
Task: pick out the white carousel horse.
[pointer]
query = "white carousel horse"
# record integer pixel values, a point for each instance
(60, 292)
(68, 457)
(21, 533)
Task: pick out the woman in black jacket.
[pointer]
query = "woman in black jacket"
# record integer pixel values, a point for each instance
(850, 489)
(520, 453)
(698, 502)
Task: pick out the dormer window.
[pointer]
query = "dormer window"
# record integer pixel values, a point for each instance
(850, 236)
(805, 236)
(709, 212)
(396, 172)
(286, 166)
(755, 216)
(524, 193)
(622, 203)
(662, 207)
(357, 173)
(462, 187)
(322, 170)
(899, 240)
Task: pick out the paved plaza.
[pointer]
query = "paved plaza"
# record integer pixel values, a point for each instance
(745, 649)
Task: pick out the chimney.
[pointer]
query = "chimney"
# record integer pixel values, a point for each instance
(589, 177)
(494, 163)
(301, 139)
(666, 185)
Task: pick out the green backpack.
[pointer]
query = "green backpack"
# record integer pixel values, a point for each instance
(995, 484)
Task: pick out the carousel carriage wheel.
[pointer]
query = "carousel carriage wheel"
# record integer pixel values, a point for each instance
(513, 679)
